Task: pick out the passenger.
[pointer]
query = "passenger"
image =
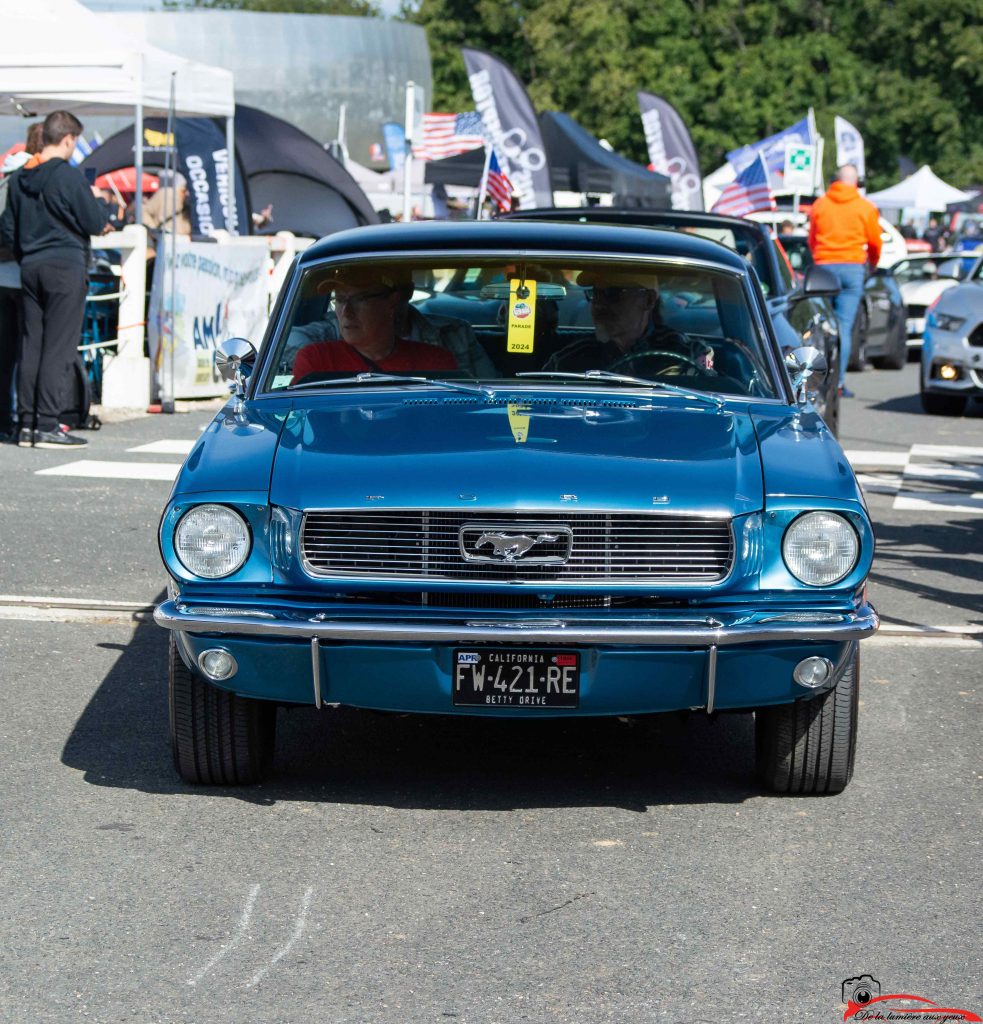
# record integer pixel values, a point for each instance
(447, 332)
(366, 303)
(625, 307)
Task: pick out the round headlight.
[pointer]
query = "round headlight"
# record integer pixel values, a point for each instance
(820, 548)
(211, 541)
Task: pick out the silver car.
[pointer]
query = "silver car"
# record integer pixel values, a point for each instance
(923, 277)
(952, 353)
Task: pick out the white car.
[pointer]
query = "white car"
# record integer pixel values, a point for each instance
(893, 246)
(923, 278)
(952, 352)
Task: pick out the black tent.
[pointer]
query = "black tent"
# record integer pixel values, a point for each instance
(311, 192)
(578, 163)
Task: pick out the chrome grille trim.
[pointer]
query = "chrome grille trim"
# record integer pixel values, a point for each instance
(607, 547)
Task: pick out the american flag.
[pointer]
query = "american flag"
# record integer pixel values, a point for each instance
(449, 134)
(748, 192)
(499, 187)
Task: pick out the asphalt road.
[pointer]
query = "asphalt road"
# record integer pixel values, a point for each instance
(425, 869)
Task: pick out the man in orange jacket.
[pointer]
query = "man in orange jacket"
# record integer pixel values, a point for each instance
(845, 238)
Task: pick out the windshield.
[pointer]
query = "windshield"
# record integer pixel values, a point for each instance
(931, 268)
(489, 322)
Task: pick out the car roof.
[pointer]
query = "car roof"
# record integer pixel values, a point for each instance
(640, 216)
(519, 236)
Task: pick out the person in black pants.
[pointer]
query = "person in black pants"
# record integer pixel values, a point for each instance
(51, 212)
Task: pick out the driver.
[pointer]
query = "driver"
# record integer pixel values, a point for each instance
(627, 325)
(366, 303)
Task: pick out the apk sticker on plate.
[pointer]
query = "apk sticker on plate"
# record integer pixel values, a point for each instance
(516, 677)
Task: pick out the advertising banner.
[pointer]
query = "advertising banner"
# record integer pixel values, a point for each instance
(395, 138)
(219, 292)
(849, 145)
(204, 160)
(671, 150)
(511, 125)
(773, 148)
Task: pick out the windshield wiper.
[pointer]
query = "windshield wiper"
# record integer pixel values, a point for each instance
(388, 378)
(621, 378)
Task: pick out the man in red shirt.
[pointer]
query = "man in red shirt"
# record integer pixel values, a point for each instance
(366, 303)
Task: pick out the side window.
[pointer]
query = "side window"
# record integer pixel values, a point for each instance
(786, 265)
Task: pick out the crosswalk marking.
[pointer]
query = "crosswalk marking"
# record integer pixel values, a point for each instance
(115, 470)
(164, 448)
(933, 477)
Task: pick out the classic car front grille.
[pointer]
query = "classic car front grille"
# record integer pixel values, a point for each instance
(425, 545)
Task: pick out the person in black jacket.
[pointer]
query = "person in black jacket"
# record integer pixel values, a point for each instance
(51, 212)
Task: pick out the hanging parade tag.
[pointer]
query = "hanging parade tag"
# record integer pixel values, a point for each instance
(522, 315)
(519, 413)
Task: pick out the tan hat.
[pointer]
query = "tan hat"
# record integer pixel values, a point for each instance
(364, 276)
(612, 277)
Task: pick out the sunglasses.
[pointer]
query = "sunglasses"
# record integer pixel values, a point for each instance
(356, 301)
(610, 295)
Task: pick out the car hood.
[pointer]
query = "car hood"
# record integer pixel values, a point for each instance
(924, 293)
(531, 452)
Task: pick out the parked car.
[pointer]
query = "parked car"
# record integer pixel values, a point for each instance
(879, 331)
(952, 352)
(922, 280)
(893, 244)
(598, 526)
(801, 312)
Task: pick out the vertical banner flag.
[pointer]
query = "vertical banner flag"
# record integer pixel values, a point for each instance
(510, 125)
(671, 150)
(773, 148)
(849, 145)
(394, 136)
(204, 161)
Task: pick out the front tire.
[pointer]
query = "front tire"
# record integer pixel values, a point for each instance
(217, 737)
(808, 747)
(858, 348)
(943, 405)
(897, 358)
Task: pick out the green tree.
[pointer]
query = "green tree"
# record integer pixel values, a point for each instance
(908, 74)
(352, 7)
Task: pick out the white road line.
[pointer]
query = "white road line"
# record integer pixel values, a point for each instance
(164, 448)
(90, 615)
(949, 452)
(299, 925)
(247, 913)
(115, 470)
(73, 602)
(876, 458)
(880, 483)
(952, 501)
(944, 471)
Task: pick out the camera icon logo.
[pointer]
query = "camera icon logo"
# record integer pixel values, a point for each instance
(861, 990)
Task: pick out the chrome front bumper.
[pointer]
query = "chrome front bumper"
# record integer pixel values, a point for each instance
(669, 630)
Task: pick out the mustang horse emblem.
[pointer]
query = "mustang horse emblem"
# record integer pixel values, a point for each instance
(510, 547)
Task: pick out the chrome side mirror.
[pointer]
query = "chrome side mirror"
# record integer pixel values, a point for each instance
(802, 364)
(234, 360)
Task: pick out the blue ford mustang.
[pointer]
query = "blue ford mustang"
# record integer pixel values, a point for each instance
(517, 469)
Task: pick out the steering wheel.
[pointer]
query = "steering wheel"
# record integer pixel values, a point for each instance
(676, 357)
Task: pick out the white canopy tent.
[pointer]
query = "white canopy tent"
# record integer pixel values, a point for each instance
(922, 191)
(57, 54)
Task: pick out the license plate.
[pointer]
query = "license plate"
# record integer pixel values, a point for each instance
(516, 678)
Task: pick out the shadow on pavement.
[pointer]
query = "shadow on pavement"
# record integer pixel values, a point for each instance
(913, 404)
(920, 557)
(421, 762)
